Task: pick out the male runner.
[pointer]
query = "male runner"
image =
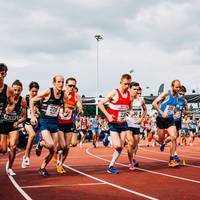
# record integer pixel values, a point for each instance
(165, 105)
(119, 104)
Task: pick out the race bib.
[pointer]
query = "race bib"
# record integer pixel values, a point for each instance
(52, 110)
(67, 115)
(10, 118)
(122, 116)
(169, 110)
(28, 113)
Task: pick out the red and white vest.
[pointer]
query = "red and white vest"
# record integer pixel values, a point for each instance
(120, 108)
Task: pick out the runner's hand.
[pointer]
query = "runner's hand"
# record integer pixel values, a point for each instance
(34, 120)
(110, 118)
(164, 115)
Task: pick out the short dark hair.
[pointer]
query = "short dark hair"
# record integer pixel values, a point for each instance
(3, 67)
(134, 84)
(183, 88)
(17, 82)
(140, 89)
(34, 84)
(70, 79)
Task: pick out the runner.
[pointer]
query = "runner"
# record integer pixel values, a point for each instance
(6, 105)
(185, 129)
(134, 119)
(165, 120)
(181, 108)
(12, 121)
(33, 91)
(95, 130)
(193, 128)
(84, 129)
(51, 101)
(66, 119)
(119, 104)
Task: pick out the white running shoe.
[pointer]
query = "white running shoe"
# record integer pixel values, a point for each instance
(25, 162)
(11, 172)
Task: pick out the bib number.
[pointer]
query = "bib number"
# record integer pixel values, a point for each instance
(169, 110)
(66, 115)
(122, 116)
(52, 110)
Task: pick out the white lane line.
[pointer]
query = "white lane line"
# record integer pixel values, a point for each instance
(16, 185)
(166, 153)
(155, 159)
(111, 184)
(141, 169)
(64, 185)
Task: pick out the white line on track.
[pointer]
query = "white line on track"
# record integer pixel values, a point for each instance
(64, 185)
(110, 184)
(166, 153)
(141, 169)
(155, 159)
(16, 185)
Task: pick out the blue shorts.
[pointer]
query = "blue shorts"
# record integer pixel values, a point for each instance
(118, 127)
(50, 125)
(95, 129)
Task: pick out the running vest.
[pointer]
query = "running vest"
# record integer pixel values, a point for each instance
(95, 124)
(83, 124)
(133, 119)
(193, 124)
(28, 111)
(120, 108)
(168, 105)
(50, 108)
(179, 108)
(15, 114)
(3, 100)
(68, 116)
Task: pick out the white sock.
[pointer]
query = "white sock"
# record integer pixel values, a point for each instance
(115, 156)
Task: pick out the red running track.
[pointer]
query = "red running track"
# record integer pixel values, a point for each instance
(86, 176)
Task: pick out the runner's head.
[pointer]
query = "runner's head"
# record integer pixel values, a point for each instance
(58, 82)
(17, 88)
(134, 87)
(182, 90)
(125, 82)
(71, 84)
(33, 88)
(175, 85)
(3, 71)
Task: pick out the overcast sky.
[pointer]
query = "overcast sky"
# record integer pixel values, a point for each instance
(158, 39)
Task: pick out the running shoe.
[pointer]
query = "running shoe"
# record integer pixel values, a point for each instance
(176, 158)
(112, 170)
(173, 163)
(10, 172)
(131, 167)
(162, 147)
(43, 172)
(25, 162)
(38, 149)
(60, 169)
(136, 163)
(94, 144)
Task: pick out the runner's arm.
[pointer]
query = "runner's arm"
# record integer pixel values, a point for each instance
(159, 99)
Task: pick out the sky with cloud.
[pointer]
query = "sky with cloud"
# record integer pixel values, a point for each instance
(158, 39)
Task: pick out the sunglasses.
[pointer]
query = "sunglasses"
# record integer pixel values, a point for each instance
(182, 94)
(72, 86)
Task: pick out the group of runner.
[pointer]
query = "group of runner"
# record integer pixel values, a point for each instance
(51, 112)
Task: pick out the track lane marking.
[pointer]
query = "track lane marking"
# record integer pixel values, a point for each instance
(153, 172)
(110, 184)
